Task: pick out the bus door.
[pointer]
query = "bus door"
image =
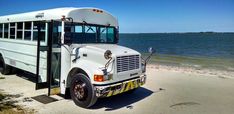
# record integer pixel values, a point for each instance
(42, 55)
(49, 58)
(55, 57)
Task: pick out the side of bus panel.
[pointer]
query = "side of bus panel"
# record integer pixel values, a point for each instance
(22, 55)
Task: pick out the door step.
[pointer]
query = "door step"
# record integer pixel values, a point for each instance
(55, 91)
(44, 99)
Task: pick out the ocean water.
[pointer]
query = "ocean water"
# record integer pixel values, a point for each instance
(203, 50)
(219, 45)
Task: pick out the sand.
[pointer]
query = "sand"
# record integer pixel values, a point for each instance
(168, 90)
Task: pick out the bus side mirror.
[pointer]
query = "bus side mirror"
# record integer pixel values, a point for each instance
(145, 61)
(151, 50)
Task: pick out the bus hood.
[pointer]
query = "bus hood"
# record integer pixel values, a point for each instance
(91, 58)
(115, 49)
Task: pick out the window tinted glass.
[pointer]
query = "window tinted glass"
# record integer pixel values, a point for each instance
(19, 34)
(57, 28)
(35, 36)
(80, 33)
(19, 25)
(12, 30)
(28, 25)
(12, 33)
(110, 35)
(19, 30)
(103, 33)
(12, 24)
(1, 30)
(27, 30)
(6, 29)
(36, 24)
(27, 35)
(78, 29)
(107, 34)
(36, 30)
(90, 29)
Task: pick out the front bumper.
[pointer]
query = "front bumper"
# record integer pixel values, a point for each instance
(114, 89)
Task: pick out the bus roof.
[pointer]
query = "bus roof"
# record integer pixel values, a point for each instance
(88, 15)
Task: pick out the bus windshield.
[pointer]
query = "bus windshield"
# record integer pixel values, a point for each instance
(85, 33)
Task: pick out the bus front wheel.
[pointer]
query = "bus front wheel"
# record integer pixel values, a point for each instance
(4, 68)
(82, 91)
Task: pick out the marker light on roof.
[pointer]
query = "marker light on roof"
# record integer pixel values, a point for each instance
(98, 11)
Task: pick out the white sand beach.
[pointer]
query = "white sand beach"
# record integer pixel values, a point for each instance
(168, 90)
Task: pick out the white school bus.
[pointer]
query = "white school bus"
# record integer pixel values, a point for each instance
(71, 51)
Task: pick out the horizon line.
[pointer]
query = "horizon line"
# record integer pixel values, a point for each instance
(168, 32)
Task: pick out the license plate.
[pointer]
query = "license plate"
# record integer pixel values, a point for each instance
(126, 86)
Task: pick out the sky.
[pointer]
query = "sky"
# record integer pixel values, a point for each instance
(146, 16)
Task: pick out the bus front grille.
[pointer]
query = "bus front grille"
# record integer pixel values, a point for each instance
(126, 63)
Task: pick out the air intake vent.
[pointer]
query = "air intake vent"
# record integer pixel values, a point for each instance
(126, 63)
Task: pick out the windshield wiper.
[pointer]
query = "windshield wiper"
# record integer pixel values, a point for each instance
(90, 28)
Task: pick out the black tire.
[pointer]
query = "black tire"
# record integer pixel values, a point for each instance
(82, 91)
(4, 68)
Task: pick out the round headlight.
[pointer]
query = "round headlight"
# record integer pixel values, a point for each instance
(107, 54)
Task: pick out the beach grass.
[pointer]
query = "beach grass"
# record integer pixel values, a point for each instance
(8, 105)
(197, 62)
(2, 77)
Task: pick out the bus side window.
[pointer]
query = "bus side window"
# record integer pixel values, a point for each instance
(103, 34)
(12, 30)
(110, 35)
(57, 29)
(27, 30)
(19, 31)
(78, 29)
(35, 30)
(1, 30)
(6, 29)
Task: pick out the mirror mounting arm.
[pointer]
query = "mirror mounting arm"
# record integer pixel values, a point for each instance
(151, 51)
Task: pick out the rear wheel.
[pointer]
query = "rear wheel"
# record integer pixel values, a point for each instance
(4, 68)
(82, 91)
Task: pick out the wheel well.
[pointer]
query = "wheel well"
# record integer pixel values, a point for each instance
(72, 73)
(1, 54)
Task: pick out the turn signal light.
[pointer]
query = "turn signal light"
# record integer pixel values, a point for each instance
(98, 78)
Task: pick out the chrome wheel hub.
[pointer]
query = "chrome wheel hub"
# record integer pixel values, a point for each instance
(80, 91)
